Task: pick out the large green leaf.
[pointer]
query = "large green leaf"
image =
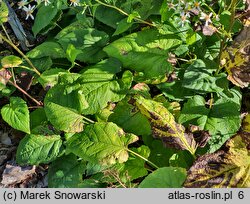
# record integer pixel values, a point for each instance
(198, 78)
(108, 16)
(165, 177)
(91, 91)
(64, 118)
(37, 149)
(103, 87)
(67, 96)
(222, 120)
(163, 125)
(80, 23)
(175, 90)
(88, 40)
(50, 77)
(122, 26)
(145, 8)
(47, 49)
(129, 119)
(16, 114)
(159, 154)
(44, 17)
(37, 117)
(42, 63)
(102, 71)
(68, 175)
(111, 17)
(103, 143)
(145, 52)
(135, 167)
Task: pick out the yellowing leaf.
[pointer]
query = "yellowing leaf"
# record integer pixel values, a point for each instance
(3, 12)
(103, 143)
(246, 123)
(236, 59)
(228, 167)
(164, 126)
(11, 61)
(5, 75)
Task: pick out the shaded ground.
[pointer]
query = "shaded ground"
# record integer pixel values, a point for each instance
(12, 175)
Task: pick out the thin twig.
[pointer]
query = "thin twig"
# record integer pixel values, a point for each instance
(21, 53)
(6, 33)
(39, 103)
(149, 162)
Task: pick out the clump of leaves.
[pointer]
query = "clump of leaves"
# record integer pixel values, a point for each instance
(131, 93)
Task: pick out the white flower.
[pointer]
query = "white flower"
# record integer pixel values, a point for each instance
(74, 2)
(46, 2)
(197, 5)
(184, 7)
(171, 5)
(206, 17)
(181, 2)
(184, 19)
(217, 17)
(29, 10)
(22, 3)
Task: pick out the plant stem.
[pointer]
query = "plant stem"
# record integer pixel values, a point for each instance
(21, 53)
(124, 13)
(13, 75)
(89, 120)
(25, 93)
(34, 107)
(214, 13)
(24, 67)
(117, 179)
(211, 102)
(6, 33)
(149, 162)
(232, 8)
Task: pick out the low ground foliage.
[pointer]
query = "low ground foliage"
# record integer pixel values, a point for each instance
(130, 93)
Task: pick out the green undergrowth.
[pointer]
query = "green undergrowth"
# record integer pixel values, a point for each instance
(143, 93)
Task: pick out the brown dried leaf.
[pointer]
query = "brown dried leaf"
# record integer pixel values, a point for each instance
(172, 59)
(5, 75)
(236, 59)
(201, 137)
(208, 30)
(163, 125)
(228, 167)
(14, 174)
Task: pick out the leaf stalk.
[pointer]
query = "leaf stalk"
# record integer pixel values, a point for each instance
(138, 155)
